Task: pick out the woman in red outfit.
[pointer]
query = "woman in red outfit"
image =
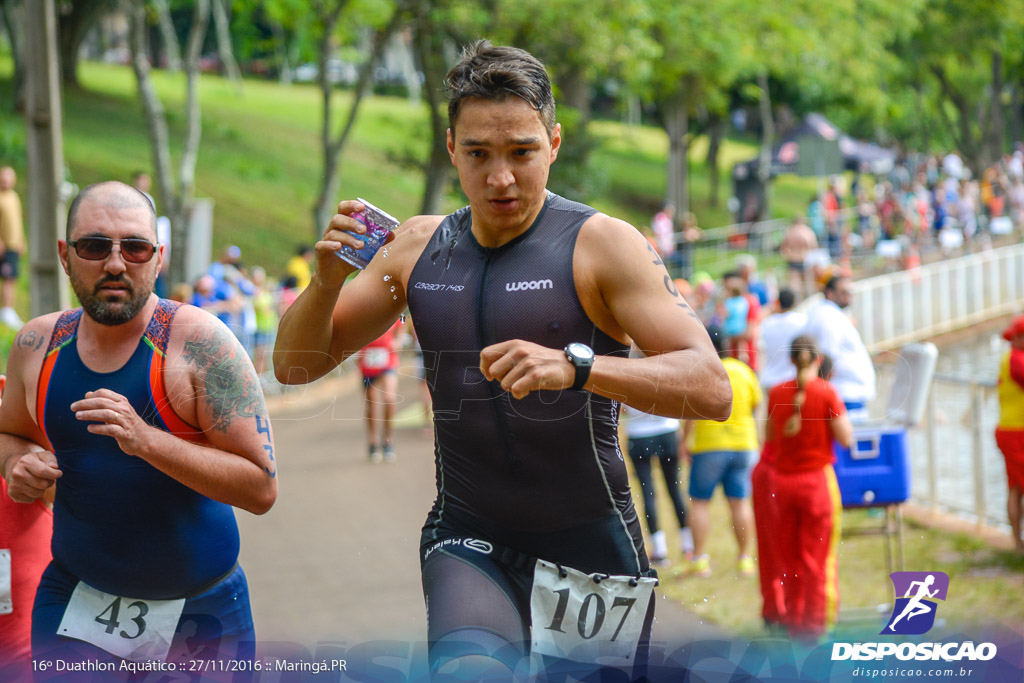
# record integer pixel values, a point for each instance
(805, 416)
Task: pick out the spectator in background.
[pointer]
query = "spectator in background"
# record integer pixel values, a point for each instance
(797, 243)
(746, 268)
(299, 267)
(1010, 430)
(745, 345)
(232, 285)
(723, 453)
(834, 334)
(804, 416)
(652, 437)
(265, 309)
(12, 246)
(778, 331)
(691, 235)
(663, 229)
(736, 312)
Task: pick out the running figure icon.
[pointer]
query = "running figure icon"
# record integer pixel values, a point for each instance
(916, 607)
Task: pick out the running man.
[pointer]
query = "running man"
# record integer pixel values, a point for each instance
(525, 304)
(915, 607)
(152, 425)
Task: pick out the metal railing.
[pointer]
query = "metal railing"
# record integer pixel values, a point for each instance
(958, 468)
(899, 308)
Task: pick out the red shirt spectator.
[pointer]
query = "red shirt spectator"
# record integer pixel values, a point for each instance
(811, 447)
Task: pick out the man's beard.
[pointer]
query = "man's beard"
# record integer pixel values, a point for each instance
(111, 312)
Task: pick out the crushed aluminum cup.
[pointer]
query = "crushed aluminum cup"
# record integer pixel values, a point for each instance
(380, 226)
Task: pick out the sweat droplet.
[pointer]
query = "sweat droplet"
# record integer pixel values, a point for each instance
(401, 318)
(392, 289)
(395, 298)
(386, 278)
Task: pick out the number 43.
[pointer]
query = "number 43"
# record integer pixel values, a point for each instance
(599, 613)
(114, 610)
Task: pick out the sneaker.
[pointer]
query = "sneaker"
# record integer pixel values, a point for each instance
(389, 453)
(376, 455)
(9, 317)
(660, 561)
(747, 566)
(701, 566)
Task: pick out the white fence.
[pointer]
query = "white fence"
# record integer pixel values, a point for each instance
(895, 309)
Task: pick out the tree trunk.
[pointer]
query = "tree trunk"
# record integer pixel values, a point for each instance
(764, 166)
(429, 49)
(72, 28)
(997, 119)
(222, 23)
(323, 208)
(13, 20)
(172, 50)
(576, 93)
(677, 123)
(716, 131)
(175, 192)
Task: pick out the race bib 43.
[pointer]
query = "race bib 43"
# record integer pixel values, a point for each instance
(130, 628)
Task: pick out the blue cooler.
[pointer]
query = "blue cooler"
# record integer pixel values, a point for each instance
(876, 470)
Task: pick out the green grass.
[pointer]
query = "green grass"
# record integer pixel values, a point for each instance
(986, 584)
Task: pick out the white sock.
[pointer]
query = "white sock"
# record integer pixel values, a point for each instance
(658, 543)
(686, 539)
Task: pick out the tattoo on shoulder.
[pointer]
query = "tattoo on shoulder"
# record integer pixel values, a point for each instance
(223, 371)
(29, 341)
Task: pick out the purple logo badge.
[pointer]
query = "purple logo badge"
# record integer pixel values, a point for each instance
(916, 593)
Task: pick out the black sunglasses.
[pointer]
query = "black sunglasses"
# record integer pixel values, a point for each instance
(133, 249)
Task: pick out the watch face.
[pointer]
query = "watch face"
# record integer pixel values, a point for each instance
(581, 351)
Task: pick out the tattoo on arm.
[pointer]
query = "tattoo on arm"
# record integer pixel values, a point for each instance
(224, 374)
(31, 340)
(263, 427)
(657, 259)
(671, 287)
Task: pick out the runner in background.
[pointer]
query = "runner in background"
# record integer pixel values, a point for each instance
(378, 363)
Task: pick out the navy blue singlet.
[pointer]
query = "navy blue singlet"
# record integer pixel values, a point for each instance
(119, 524)
(516, 471)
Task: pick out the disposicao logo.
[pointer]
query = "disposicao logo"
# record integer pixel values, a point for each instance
(912, 615)
(914, 612)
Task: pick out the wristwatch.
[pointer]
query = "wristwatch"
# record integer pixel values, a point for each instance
(582, 358)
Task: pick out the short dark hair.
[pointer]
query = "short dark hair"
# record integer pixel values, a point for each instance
(833, 282)
(786, 298)
(497, 73)
(129, 197)
(730, 274)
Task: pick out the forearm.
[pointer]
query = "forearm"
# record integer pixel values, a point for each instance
(219, 475)
(680, 384)
(302, 352)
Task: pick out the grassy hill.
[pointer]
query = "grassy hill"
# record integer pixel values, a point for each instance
(259, 158)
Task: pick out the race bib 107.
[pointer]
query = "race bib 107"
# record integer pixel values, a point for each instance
(577, 618)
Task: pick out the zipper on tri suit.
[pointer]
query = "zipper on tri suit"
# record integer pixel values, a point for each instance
(499, 418)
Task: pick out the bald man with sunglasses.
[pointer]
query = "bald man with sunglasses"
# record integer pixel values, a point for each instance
(152, 425)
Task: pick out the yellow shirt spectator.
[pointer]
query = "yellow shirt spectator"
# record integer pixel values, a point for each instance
(298, 267)
(739, 432)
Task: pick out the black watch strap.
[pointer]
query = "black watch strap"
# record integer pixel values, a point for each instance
(582, 375)
(582, 358)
